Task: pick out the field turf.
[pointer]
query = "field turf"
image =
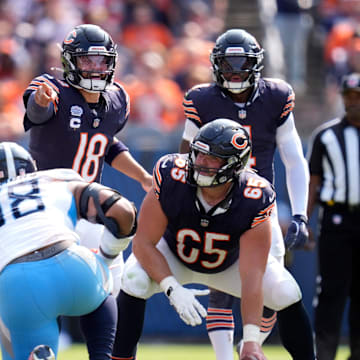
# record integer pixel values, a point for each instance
(185, 351)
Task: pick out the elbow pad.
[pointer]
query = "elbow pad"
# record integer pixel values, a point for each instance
(92, 191)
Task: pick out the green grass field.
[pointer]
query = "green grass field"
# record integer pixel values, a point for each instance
(185, 351)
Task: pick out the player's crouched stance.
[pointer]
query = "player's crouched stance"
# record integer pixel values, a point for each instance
(44, 274)
(206, 221)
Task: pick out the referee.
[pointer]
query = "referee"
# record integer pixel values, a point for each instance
(334, 159)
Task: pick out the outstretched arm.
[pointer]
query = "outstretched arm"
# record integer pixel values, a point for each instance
(125, 163)
(254, 251)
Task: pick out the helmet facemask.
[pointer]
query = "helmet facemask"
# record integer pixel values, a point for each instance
(217, 176)
(83, 69)
(245, 67)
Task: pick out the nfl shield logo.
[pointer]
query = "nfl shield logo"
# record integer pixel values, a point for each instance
(96, 122)
(204, 222)
(242, 114)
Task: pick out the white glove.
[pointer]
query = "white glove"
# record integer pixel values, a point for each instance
(184, 301)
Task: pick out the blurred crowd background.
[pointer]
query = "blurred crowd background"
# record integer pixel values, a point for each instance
(164, 46)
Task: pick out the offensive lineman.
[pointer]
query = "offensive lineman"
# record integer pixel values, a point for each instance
(264, 107)
(207, 221)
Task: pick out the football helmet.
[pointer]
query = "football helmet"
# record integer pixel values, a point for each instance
(89, 58)
(42, 352)
(236, 54)
(224, 139)
(14, 161)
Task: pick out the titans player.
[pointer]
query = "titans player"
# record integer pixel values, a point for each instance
(264, 107)
(206, 221)
(43, 272)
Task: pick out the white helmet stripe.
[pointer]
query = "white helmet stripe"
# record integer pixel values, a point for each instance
(10, 162)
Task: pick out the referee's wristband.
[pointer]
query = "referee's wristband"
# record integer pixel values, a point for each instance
(251, 333)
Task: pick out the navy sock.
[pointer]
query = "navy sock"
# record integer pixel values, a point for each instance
(296, 332)
(131, 312)
(99, 329)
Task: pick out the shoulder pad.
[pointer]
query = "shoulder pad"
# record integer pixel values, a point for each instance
(164, 167)
(62, 174)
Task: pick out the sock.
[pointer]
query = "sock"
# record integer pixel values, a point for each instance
(99, 328)
(131, 312)
(220, 327)
(268, 322)
(296, 332)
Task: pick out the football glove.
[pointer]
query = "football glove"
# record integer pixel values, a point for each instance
(297, 234)
(183, 300)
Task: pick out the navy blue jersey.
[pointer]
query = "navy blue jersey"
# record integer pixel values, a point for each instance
(267, 109)
(204, 243)
(76, 136)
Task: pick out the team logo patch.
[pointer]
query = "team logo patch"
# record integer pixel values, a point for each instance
(242, 114)
(76, 110)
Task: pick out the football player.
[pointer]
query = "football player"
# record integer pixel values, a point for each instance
(264, 107)
(73, 120)
(44, 274)
(218, 235)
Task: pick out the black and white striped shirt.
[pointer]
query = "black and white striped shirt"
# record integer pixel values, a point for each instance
(334, 155)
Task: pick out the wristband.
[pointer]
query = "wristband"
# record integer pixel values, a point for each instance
(251, 333)
(168, 284)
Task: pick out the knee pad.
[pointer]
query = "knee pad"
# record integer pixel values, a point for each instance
(286, 293)
(135, 281)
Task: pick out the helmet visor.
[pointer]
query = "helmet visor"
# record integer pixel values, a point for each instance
(94, 63)
(234, 64)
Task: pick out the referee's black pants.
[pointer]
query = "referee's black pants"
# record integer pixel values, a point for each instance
(339, 270)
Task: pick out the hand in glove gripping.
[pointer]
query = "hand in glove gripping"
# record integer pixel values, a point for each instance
(184, 301)
(297, 235)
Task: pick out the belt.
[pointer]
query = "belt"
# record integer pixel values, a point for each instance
(342, 207)
(43, 253)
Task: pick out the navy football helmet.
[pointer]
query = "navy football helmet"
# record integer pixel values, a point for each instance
(236, 53)
(14, 161)
(222, 138)
(91, 45)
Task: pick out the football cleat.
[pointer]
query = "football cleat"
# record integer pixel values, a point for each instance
(42, 352)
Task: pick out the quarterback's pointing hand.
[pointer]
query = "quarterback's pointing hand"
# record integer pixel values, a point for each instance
(44, 95)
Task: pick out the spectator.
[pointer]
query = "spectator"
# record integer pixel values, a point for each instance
(334, 159)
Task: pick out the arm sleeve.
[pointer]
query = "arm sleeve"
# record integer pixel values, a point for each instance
(38, 114)
(116, 148)
(190, 130)
(296, 167)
